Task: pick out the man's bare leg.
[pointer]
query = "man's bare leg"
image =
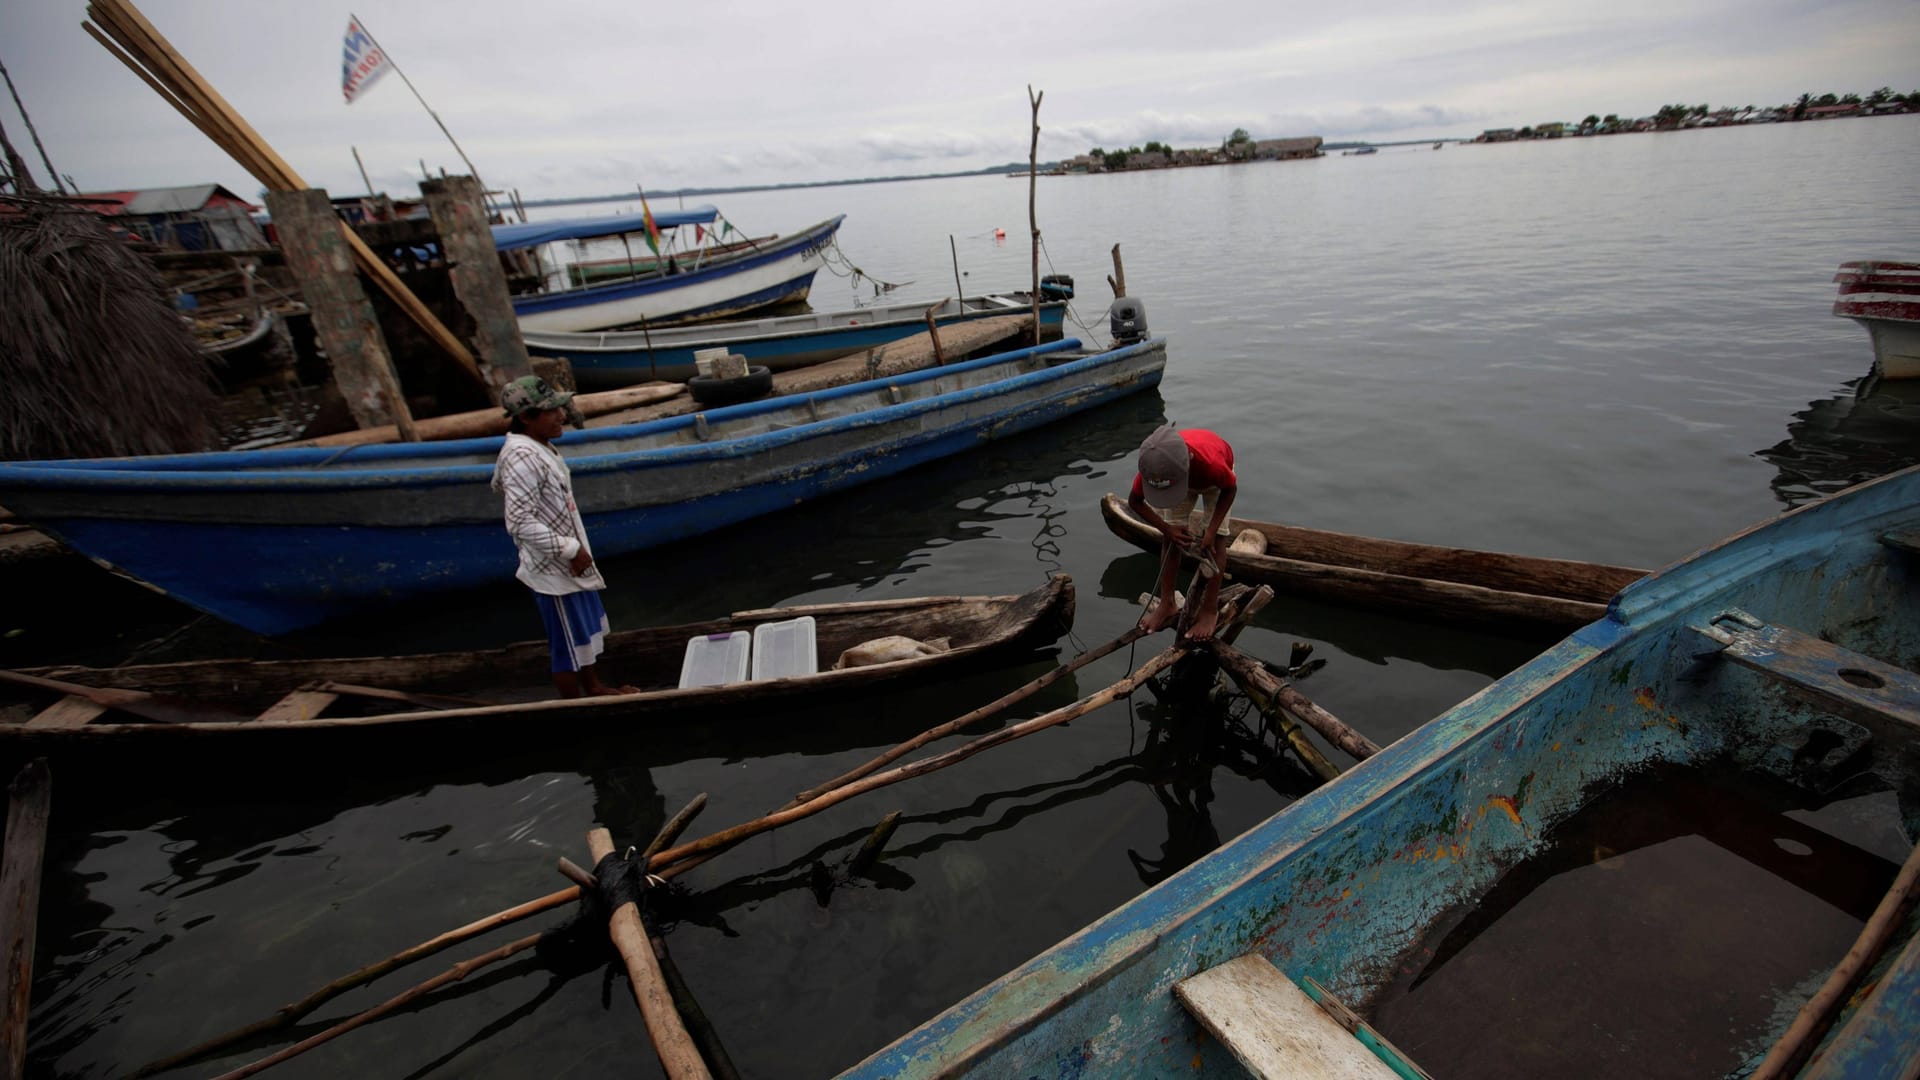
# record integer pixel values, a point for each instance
(1164, 610)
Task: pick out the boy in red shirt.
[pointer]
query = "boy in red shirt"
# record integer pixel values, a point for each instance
(1181, 471)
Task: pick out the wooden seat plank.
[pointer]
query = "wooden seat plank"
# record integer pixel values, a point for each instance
(1907, 540)
(299, 705)
(1880, 697)
(1272, 1027)
(71, 711)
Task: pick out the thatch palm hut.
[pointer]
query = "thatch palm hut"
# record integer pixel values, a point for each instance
(94, 360)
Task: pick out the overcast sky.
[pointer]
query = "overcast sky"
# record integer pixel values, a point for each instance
(577, 97)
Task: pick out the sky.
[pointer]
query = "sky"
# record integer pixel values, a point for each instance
(585, 97)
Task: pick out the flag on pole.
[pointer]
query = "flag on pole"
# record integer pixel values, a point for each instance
(653, 231)
(364, 61)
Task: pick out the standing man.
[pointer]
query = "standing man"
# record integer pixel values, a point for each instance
(1180, 472)
(555, 561)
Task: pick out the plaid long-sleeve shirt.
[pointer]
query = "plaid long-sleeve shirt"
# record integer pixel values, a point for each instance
(542, 518)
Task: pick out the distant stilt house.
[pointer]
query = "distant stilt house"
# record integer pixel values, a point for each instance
(1286, 149)
(200, 217)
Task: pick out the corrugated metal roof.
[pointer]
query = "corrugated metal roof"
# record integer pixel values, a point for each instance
(173, 200)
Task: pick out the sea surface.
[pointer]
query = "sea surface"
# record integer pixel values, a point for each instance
(1611, 349)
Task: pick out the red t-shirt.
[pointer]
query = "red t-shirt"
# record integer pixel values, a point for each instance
(1209, 463)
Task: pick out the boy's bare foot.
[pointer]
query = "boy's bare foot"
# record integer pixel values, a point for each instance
(1202, 629)
(1159, 617)
(613, 691)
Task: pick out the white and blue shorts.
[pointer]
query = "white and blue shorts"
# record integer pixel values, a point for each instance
(576, 628)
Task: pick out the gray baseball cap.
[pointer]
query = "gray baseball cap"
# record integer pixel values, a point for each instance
(1163, 468)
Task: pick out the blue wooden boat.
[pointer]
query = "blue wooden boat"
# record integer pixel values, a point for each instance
(696, 288)
(610, 359)
(275, 540)
(1778, 656)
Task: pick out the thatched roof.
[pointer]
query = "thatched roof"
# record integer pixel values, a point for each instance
(94, 360)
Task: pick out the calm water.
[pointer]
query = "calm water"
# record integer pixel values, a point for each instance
(1609, 349)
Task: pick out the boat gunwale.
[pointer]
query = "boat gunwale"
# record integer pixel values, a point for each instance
(253, 470)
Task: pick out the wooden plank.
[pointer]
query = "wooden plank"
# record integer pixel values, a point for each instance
(1880, 697)
(299, 705)
(1272, 1027)
(71, 711)
(1907, 540)
(381, 693)
(29, 799)
(478, 280)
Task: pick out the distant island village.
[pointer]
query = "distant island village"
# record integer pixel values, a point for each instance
(1241, 147)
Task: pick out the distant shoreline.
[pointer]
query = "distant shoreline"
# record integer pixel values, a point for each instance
(665, 193)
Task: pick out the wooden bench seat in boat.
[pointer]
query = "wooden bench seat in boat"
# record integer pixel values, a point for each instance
(1272, 1027)
(1880, 697)
(1907, 540)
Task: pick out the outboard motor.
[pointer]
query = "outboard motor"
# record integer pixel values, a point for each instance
(1128, 319)
(1056, 287)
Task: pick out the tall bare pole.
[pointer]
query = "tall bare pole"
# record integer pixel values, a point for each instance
(1033, 220)
(22, 179)
(44, 159)
(471, 171)
(363, 171)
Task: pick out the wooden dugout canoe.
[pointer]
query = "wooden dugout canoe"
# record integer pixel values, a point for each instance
(1455, 585)
(359, 693)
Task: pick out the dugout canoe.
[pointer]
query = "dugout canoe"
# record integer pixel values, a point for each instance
(1777, 664)
(262, 698)
(1453, 585)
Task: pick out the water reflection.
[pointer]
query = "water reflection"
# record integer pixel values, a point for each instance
(1867, 432)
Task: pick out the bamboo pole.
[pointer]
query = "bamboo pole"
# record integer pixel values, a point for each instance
(699, 1028)
(671, 831)
(943, 730)
(671, 1042)
(483, 422)
(1117, 280)
(293, 1011)
(728, 837)
(1250, 674)
(933, 335)
(29, 802)
(1033, 187)
(1817, 1015)
(876, 842)
(452, 975)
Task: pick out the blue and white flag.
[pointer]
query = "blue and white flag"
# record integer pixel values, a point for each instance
(364, 61)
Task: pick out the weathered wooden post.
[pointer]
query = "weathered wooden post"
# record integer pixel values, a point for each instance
(460, 216)
(318, 254)
(29, 796)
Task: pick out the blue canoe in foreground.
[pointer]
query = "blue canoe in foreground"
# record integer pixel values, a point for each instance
(275, 540)
(611, 359)
(1779, 657)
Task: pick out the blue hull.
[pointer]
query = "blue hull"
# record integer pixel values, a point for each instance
(780, 271)
(1344, 885)
(278, 540)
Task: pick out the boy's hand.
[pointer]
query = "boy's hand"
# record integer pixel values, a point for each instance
(582, 562)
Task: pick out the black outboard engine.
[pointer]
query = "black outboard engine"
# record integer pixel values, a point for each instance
(1128, 318)
(1056, 287)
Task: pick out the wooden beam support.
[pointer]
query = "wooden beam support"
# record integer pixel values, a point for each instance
(1879, 697)
(342, 318)
(460, 216)
(29, 801)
